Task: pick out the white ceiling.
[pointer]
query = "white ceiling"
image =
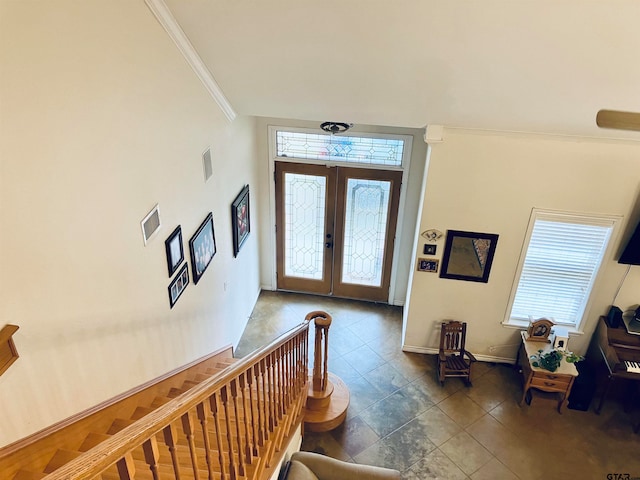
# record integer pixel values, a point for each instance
(516, 65)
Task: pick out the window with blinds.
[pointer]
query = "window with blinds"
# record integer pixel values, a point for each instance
(559, 265)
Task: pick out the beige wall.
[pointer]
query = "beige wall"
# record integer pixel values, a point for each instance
(487, 182)
(102, 118)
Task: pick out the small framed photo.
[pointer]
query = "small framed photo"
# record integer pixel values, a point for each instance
(177, 286)
(175, 252)
(202, 248)
(240, 221)
(429, 249)
(428, 265)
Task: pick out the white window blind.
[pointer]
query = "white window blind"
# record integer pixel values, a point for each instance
(563, 255)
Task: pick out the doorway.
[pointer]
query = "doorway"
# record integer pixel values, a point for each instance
(335, 229)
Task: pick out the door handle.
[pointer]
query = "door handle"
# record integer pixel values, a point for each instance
(328, 244)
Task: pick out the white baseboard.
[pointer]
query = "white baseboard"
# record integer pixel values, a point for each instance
(481, 358)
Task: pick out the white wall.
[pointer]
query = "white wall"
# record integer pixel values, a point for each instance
(101, 119)
(489, 182)
(404, 235)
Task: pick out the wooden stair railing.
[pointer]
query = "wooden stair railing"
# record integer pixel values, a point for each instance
(228, 427)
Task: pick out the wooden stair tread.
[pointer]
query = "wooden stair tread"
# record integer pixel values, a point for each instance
(92, 440)
(119, 424)
(60, 458)
(141, 412)
(24, 475)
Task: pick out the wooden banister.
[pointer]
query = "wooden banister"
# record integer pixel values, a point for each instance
(215, 402)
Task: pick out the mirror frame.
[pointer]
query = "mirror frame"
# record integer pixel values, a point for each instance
(451, 235)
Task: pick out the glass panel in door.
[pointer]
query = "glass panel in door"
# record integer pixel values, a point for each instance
(366, 209)
(304, 213)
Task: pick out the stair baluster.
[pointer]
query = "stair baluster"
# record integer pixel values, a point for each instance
(170, 437)
(203, 414)
(213, 403)
(224, 396)
(151, 456)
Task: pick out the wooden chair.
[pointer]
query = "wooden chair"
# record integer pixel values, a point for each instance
(453, 359)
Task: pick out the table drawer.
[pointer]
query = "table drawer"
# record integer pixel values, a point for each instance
(552, 377)
(559, 384)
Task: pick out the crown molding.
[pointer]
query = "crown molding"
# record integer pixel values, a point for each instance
(169, 23)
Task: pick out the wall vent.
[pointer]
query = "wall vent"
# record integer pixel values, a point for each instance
(206, 164)
(151, 224)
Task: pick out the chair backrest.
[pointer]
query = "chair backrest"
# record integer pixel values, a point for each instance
(452, 336)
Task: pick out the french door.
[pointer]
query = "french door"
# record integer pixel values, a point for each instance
(335, 229)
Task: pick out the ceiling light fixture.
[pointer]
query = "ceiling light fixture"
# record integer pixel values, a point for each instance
(335, 127)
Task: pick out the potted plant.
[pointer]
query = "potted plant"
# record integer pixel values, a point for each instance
(551, 359)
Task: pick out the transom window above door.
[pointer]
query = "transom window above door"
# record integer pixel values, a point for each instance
(384, 150)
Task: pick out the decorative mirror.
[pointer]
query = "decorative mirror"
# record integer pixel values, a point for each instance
(468, 255)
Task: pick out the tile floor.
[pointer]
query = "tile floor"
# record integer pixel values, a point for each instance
(400, 416)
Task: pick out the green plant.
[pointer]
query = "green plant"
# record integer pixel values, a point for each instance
(551, 360)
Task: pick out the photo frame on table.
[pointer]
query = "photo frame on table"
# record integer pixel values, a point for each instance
(202, 248)
(174, 249)
(468, 255)
(178, 284)
(240, 220)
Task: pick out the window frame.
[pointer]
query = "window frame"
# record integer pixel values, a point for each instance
(406, 153)
(606, 220)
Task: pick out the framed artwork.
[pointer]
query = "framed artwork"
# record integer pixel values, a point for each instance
(468, 255)
(429, 249)
(175, 252)
(202, 248)
(428, 265)
(240, 222)
(177, 286)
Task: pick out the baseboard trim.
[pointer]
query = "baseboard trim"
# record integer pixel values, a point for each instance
(480, 358)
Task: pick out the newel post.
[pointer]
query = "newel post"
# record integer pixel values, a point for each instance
(328, 395)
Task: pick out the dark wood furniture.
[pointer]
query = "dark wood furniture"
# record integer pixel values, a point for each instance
(559, 382)
(616, 346)
(453, 359)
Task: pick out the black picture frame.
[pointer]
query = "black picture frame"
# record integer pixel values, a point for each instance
(174, 249)
(240, 219)
(202, 248)
(468, 255)
(429, 249)
(178, 284)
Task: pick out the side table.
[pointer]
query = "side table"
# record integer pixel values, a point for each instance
(559, 381)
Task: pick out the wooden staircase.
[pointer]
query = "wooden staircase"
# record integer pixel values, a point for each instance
(218, 419)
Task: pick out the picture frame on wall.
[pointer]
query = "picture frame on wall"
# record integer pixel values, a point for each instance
(468, 255)
(202, 248)
(178, 284)
(240, 220)
(428, 265)
(175, 251)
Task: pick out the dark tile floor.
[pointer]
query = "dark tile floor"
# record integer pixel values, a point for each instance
(400, 416)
